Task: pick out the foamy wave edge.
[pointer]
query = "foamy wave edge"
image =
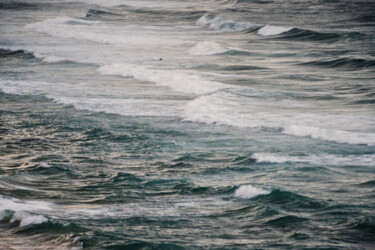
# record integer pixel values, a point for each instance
(218, 24)
(217, 109)
(222, 25)
(269, 30)
(328, 159)
(250, 191)
(26, 219)
(177, 80)
(206, 48)
(331, 135)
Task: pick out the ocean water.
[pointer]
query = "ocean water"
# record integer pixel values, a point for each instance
(171, 124)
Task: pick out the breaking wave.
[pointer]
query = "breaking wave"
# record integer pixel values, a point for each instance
(249, 191)
(339, 136)
(219, 24)
(269, 30)
(207, 48)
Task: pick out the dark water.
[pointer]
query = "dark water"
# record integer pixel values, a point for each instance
(255, 130)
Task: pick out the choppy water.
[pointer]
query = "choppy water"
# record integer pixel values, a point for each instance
(256, 130)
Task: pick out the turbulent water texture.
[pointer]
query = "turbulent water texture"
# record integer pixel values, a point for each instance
(170, 124)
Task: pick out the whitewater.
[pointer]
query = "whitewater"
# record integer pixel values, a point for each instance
(169, 124)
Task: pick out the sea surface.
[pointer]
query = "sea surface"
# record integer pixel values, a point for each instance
(173, 124)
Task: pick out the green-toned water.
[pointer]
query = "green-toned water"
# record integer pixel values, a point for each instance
(254, 131)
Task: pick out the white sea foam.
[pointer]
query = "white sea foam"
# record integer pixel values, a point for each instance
(181, 81)
(331, 134)
(31, 88)
(223, 25)
(269, 30)
(207, 48)
(228, 109)
(274, 158)
(14, 204)
(220, 24)
(45, 165)
(133, 36)
(19, 207)
(26, 219)
(327, 159)
(213, 109)
(51, 59)
(104, 43)
(70, 27)
(224, 108)
(249, 191)
(169, 207)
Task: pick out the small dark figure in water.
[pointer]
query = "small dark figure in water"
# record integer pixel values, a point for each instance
(161, 59)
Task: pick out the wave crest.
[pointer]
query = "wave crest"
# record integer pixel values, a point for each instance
(269, 30)
(219, 24)
(249, 191)
(205, 48)
(26, 219)
(331, 135)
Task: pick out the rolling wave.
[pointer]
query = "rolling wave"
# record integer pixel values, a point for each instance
(291, 200)
(32, 226)
(297, 34)
(216, 23)
(97, 13)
